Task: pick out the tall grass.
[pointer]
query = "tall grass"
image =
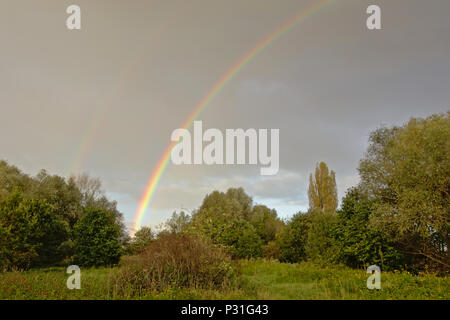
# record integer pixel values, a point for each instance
(50, 284)
(258, 279)
(275, 280)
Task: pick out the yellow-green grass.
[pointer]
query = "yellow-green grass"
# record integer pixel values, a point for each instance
(274, 280)
(258, 280)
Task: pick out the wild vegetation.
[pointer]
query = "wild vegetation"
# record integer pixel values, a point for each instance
(44, 221)
(258, 279)
(396, 218)
(174, 261)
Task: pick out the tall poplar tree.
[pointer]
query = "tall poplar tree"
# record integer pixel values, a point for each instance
(322, 192)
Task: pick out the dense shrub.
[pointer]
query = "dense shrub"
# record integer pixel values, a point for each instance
(321, 245)
(266, 223)
(97, 239)
(308, 236)
(242, 239)
(271, 251)
(174, 261)
(229, 219)
(360, 244)
(293, 239)
(30, 233)
(38, 216)
(141, 239)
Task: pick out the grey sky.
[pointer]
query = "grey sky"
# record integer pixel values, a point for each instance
(144, 65)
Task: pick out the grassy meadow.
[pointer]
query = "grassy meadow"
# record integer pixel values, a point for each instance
(258, 279)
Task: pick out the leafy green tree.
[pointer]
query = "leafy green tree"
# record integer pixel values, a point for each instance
(12, 179)
(360, 244)
(234, 204)
(322, 192)
(141, 239)
(64, 197)
(178, 222)
(97, 239)
(407, 169)
(292, 241)
(224, 219)
(242, 238)
(239, 198)
(266, 222)
(93, 196)
(31, 233)
(309, 236)
(321, 244)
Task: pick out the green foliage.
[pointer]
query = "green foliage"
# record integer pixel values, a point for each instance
(360, 244)
(258, 280)
(242, 238)
(402, 205)
(31, 233)
(407, 169)
(234, 204)
(39, 214)
(97, 239)
(230, 220)
(271, 251)
(306, 280)
(292, 240)
(141, 239)
(322, 191)
(266, 223)
(92, 196)
(51, 284)
(309, 236)
(321, 246)
(178, 222)
(64, 197)
(12, 179)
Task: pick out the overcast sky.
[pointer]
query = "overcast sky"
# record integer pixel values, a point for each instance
(105, 99)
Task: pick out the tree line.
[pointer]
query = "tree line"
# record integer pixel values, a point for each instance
(47, 220)
(396, 217)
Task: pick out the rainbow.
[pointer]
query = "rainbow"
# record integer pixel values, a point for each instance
(216, 89)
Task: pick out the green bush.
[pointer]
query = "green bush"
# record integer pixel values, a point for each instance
(173, 261)
(38, 215)
(266, 222)
(30, 232)
(141, 239)
(242, 239)
(360, 244)
(292, 240)
(97, 239)
(271, 251)
(321, 244)
(308, 236)
(230, 220)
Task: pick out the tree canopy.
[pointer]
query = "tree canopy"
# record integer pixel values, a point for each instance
(231, 220)
(38, 216)
(407, 170)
